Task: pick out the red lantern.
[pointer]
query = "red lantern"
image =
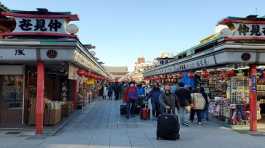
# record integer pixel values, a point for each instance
(81, 72)
(230, 73)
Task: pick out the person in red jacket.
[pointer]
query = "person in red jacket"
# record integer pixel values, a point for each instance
(130, 98)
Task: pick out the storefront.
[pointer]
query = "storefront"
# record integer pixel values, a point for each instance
(39, 70)
(229, 65)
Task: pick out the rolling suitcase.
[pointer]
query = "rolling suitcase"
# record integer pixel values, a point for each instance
(145, 113)
(123, 109)
(168, 127)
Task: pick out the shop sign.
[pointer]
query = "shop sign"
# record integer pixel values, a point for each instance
(242, 29)
(18, 54)
(40, 25)
(200, 63)
(52, 54)
(72, 72)
(82, 59)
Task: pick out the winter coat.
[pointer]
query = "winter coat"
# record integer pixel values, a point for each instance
(154, 95)
(183, 97)
(130, 94)
(168, 100)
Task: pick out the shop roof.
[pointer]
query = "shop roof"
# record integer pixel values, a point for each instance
(42, 13)
(247, 19)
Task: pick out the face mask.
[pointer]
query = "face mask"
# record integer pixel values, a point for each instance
(131, 85)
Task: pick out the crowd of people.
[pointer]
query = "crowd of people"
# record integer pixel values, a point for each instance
(179, 99)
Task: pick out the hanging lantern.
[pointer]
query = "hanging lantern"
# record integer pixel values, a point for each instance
(230, 73)
(81, 72)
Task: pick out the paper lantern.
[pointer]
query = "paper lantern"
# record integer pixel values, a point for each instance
(81, 72)
(72, 28)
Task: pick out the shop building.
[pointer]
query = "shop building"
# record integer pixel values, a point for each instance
(45, 71)
(230, 66)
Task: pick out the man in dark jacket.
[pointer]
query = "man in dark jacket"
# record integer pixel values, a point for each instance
(167, 100)
(183, 102)
(154, 94)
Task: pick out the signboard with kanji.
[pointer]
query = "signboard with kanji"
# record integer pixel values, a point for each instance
(249, 30)
(40, 25)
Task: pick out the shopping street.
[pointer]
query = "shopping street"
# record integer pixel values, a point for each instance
(100, 125)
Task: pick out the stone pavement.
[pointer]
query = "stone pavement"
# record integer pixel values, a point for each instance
(101, 126)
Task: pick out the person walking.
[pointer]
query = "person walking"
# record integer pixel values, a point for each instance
(205, 112)
(141, 95)
(131, 98)
(198, 105)
(167, 100)
(105, 91)
(184, 102)
(110, 92)
(117, 89)
(154, 94)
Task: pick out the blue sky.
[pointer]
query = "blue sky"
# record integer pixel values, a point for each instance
(123, 30)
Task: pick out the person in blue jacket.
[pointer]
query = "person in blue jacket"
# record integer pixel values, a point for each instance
(154, 95)
(141, 94)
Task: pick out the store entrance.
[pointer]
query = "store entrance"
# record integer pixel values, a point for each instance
(11, 101)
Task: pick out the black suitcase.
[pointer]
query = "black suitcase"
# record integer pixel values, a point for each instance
(123, 109)
(168, 127)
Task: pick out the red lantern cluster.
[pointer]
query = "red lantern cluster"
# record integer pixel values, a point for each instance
(89, 74)
(230, 73)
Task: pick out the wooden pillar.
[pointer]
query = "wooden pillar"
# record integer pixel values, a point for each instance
(253, 98)
(39, 114)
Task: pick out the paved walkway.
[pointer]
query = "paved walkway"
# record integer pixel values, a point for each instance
(100, 125)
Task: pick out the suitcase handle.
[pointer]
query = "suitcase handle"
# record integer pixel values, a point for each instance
(170, 111)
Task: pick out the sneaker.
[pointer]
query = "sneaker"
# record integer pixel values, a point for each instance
(199, 123)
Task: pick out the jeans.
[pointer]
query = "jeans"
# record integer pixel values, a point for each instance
(205, 113)
(131, 105)
(184, 116)
(198, 113)
(155, 108)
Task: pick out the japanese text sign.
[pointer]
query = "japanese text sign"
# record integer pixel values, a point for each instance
(249, 29)
(40, 25)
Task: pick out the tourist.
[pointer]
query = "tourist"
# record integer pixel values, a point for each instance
(141, 94)
(110, 92)
(205, 113)
(105, 91)
(198, 105)
(184, 103)
(131, 98)
(167, 100)
(154, 95)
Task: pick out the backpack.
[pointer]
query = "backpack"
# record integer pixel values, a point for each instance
(198, 101)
